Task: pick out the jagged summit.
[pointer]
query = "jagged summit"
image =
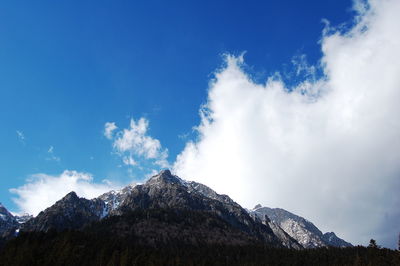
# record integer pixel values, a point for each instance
(71, 196)
(164, 176)
(23, 218)
(332, 239)
(257, 206)
(165, 172)
(70, 212)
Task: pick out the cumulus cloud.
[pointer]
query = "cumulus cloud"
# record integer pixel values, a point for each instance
(109, 128)
(328, 149)
(42, 190)
(134, 145)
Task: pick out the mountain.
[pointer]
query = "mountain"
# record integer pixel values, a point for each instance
(166, 191)
(8, 223)
(71, 212)
(23, 218)
(331, 239)
(284, 237)
(170, 221)
(299, 228)
(113, 199)
(165, 208)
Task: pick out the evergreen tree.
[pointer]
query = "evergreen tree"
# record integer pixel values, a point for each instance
(372, 244)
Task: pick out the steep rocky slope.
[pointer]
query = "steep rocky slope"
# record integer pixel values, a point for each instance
(299, 228)
(71, 212)
(8, 223)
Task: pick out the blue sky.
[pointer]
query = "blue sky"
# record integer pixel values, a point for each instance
(67, 68)
(287, 98)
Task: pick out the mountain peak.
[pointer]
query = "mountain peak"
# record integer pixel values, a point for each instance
(333, 240)
(71, 196)
(164, 176)
(257, 206)
(166, 172)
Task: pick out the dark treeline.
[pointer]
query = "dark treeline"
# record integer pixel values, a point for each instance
(82, 248)
(171, 237)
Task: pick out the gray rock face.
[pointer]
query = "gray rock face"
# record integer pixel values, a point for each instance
(304, 231)
(331, 239)
(209, 193)
(71, 212)
(8, 223)
(113, 199)
(23, 218)
(284, 237)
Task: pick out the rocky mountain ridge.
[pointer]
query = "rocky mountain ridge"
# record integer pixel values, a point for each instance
(172, 196)
(71, 212)
(299, 228)
(8, 222)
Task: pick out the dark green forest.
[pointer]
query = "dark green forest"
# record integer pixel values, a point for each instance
(164, 237)
(78, 248)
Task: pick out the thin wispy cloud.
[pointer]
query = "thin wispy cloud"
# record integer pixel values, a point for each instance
(128, 160)
(328, 149)
(51, 155)
(21, 136)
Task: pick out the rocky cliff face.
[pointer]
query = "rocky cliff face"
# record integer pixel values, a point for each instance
(285, 238)
(23, 218)
(113, 199)
(304, 231)
(8, 223)
(71, 212)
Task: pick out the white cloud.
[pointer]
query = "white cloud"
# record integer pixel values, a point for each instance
(42, 190)
(52, 157)
(128, 160)
(134, 145)
(109, 128)
(329, 150)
